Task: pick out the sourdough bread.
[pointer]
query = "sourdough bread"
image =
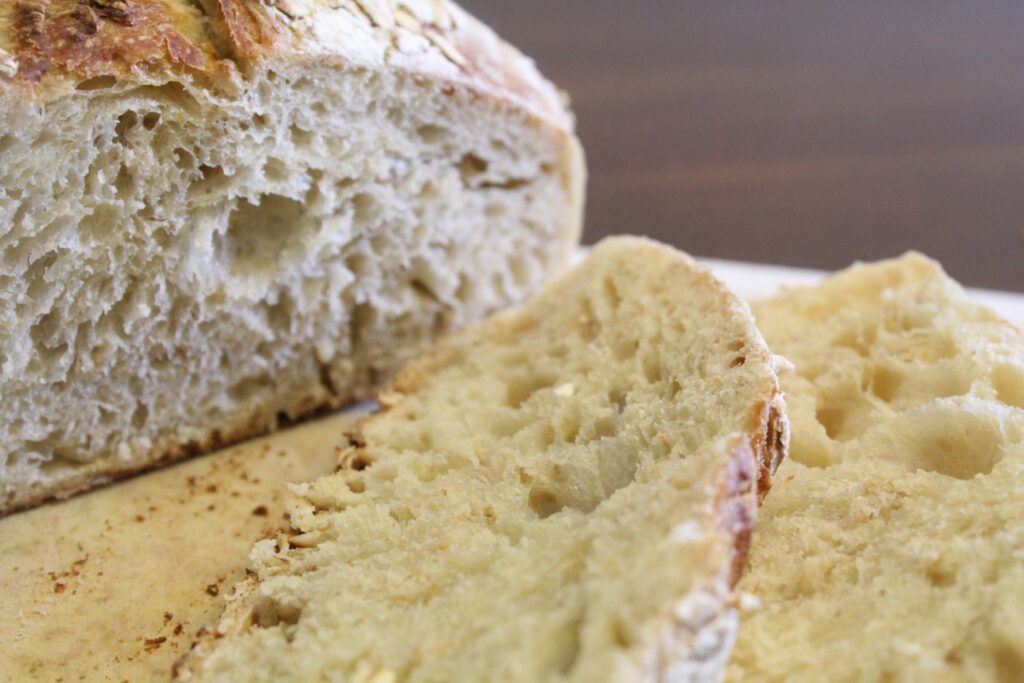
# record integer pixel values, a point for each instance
(561, 493)
(892, 547)
(216, 213)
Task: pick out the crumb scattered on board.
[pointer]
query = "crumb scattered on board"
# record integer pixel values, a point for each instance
(115, 584)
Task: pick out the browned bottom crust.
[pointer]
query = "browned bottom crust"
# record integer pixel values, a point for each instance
(161, 456)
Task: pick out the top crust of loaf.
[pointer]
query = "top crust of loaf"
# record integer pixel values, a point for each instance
(48, 48)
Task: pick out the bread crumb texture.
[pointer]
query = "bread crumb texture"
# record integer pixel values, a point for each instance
(892, 546)
(191, 252)
(562, 493)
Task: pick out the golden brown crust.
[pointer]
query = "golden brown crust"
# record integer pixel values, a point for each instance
(83, 39)
(772, 430)
(50, 47)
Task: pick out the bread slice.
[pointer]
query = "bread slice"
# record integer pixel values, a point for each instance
(216, 213)
(892, 547)
(562, 493)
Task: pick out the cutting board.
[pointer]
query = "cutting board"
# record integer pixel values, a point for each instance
(114, 585)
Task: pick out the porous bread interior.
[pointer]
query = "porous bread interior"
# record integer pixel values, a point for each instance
(540, 500)
(892, 545)
(181, 266)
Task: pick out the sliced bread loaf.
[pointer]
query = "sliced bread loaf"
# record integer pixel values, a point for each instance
(561, 493)
(216, 213)
(892, 547)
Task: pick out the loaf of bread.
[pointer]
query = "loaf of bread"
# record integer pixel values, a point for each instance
(215, 214)
(561, 493)
(892, 546)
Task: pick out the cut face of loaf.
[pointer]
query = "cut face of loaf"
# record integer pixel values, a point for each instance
(561, 493)
(892, 546)
(188, 254)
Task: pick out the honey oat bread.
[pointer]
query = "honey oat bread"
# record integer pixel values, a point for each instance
(214, 213)
(892, 546)
(561, 493)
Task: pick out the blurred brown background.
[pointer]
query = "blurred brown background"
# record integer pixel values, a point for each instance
(803, 133)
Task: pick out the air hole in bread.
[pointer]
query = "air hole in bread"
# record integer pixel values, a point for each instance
(401, 514)
(1009, 385)
(620, 634)
(885, 383)
(211, 180)
(251, 386)
(939, 575)
(617, 397)
(604, 426)
(569, 428)
(927, 349)
(522, 271)
(259, 235)
(1008, 659)
(471, 167)
(624, 348)
(520, 388)
(466, 290)
(423, 290)
(948, 439)
(125, 122)
(151, 120)
(364, 208)
(275, 170)
(737, 362)
(832, 419)
(183, 159)
(432, 134)
(355, 485)
(107, 417)
(856, 340)
(268, 613)
(544, 502)
(674, 388)
(652, 368)
(300, 136)
(429, 190)
(140, 416)
(124, 186)
(45, 332)
(544, 435)
(97, 83)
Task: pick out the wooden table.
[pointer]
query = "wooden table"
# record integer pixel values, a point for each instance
(802, 133)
